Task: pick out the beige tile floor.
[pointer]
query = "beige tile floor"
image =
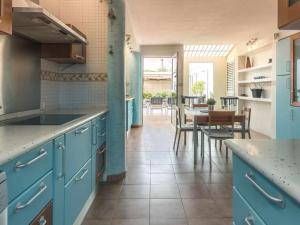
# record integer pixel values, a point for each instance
(162, 189)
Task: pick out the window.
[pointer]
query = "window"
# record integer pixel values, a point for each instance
(230, 79)
(201, 72)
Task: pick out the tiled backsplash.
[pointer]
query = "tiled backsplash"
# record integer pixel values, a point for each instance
(72, 90)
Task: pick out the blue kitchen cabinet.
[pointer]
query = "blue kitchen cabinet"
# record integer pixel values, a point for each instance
(102, 130)
(78, 149)
(245, 183)
(243, 212)
(94, 152)
(284, 113)
(77, 192)
(283, 55)
(26, 206)
(129, 112)
(23, 171)
(58, 181)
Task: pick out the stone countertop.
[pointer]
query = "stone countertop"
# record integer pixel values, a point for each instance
(278, 160)
(16, 140)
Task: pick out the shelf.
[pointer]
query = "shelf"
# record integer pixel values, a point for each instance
(255, 99)
(266, 80)
(269, 65)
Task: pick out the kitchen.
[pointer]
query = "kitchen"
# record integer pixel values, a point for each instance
(74, 148)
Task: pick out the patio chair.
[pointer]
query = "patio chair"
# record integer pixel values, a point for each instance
(156, 103)
(220, 127)
(182, 127)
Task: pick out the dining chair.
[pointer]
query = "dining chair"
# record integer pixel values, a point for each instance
(220, 127)
(182, 127)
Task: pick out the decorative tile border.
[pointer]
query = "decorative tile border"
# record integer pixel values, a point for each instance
(73, 77)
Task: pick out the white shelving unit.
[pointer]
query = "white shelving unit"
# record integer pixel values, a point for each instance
(269, 65)
(268, 100)
(265, 80)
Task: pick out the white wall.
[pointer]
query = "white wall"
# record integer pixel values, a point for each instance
(219, 80)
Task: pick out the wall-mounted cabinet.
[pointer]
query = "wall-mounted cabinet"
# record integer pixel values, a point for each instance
(64, 53)
(5, 16)
(289, 14)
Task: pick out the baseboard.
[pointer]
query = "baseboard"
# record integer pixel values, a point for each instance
(85, 209)
(116, 177)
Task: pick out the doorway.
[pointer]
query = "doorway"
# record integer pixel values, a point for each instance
(159, 87)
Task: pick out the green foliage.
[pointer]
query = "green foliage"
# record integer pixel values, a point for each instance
(211, 101)
(147, 95)
(173, 94)
(198, 88)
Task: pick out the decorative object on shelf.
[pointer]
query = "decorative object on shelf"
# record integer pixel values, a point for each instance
(248, 62)
(270, 60)
(111, 14)
(257, 91)
(111, 52)
(211, 103)
(259, 77)
(244, 95)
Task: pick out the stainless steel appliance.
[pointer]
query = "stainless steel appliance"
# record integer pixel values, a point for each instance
(20, 72)
(3, 199)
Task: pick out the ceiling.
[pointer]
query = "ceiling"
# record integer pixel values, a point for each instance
(202, 21)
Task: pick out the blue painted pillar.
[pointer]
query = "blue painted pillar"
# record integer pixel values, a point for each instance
(116, 89)
(136, 89)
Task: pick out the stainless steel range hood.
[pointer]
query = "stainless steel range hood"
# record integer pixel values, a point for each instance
(32, 21)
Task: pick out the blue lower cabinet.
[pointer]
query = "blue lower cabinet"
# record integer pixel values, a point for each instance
(28, 168)
(94, 152)
(77, 192)
(78, 149)
(26, 206)
(273, 213)
(243, 213)
(58, 181)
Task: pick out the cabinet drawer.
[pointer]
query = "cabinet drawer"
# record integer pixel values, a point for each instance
(27, 206)
(78, 149)
(242, 211)
(27, 169)
(44, 217)
(77, 191)
(270, 211)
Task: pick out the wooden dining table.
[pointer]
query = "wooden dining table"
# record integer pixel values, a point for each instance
(200, 116)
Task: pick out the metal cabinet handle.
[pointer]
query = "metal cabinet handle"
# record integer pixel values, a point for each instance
(82, 176)
(42, 153)
(78, 132)
(276, 200)
(43, 221)
(104, 118)
(249, 220)
(20, 206)
(61, 146)
(102, 135)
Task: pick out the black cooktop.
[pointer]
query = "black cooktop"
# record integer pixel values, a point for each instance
(46, 119)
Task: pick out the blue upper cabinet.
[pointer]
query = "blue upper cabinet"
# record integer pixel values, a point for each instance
(283, 66)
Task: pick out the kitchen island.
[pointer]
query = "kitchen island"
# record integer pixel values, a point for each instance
(266, 181)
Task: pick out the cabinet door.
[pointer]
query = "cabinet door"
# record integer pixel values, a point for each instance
(6, 16)
(58, 177)
(242, 211)
(77, 192)
(283, 66)
(283, 108)
(78, 149)
(94, 152)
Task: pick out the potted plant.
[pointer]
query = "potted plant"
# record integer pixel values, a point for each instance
(198, 88)
(257, 91)
(211, 103)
